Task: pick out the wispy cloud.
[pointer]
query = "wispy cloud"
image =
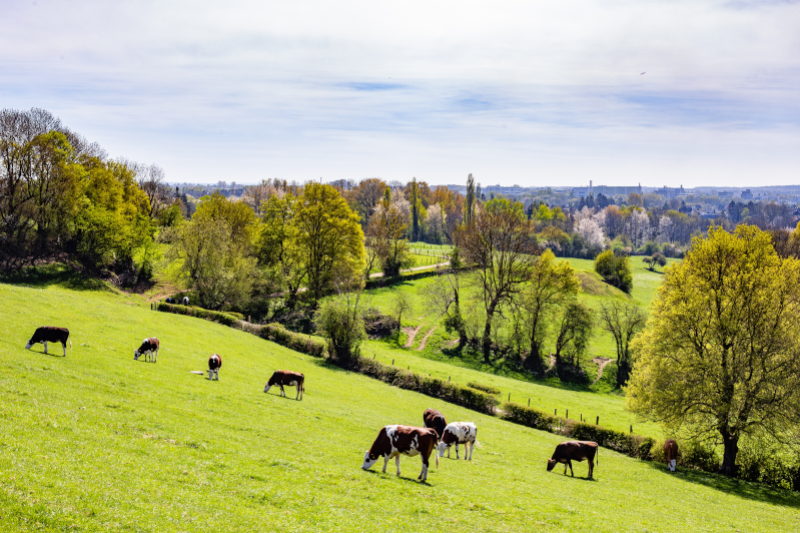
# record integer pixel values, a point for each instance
(513, 91)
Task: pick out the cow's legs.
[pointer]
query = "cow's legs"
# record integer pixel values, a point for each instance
(216, 374)
(283, 392)
(591, 468)
(156, 356)
(385, 462)
(471, 449)
(571, 471)
(45, 346)
(64, 344)
(457, 451)
(397, 462)
(424, 474)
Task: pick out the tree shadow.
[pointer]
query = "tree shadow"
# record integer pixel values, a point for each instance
(745, 489)
(55, 274)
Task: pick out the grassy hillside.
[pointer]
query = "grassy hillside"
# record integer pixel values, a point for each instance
(96, 441)
(594, 293)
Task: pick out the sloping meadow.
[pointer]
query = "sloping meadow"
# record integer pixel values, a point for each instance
(98, 441)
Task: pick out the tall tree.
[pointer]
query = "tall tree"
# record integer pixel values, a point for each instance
(329, 239)
(623, 321)
(499, 243)
(386, 235)
(469, 202)
(552, 284)
(415, 209)
(720, 356)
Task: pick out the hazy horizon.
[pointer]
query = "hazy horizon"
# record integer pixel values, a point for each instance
(692, 93)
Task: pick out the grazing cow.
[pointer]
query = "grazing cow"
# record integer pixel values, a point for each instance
(214, 364)
(574, 450)
(671, 454)
(435, 420)
(392, 441)
(459, 433)
(170, 300)
(47, 334)
(185, 300)
(288, 378)
(149, 347)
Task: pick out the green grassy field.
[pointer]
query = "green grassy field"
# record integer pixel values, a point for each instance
(98, 442)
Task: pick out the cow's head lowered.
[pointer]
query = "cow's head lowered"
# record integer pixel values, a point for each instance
(369, 460)
(551, 463)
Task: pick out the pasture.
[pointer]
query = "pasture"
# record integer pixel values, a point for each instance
(99, 442)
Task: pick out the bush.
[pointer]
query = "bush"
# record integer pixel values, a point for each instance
(215, 316)
(280, 335)
(450, 392)
(485, 388)
(615, 270)
(339, 321)
(378, 325)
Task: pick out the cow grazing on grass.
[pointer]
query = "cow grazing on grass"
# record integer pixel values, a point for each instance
(459, 433)
(288, 378)
(149, 348)
(671, 454)
(214, 364)
(574, 450)
(392, 441)
(185, 300)
(433, 419)
(47, 334)
(170, 300)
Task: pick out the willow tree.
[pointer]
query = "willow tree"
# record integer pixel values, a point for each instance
(720, 356)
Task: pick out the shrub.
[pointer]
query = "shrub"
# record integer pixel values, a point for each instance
(339, 321)
(378, 325)
(485, 388)
(615, 270)
(280, 335)
(198, 312)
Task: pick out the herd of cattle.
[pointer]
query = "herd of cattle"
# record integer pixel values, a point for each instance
(437, 436)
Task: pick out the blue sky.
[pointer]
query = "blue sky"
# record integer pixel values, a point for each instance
(516, 92)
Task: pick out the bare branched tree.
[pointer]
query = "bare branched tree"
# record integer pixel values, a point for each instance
(623, 321)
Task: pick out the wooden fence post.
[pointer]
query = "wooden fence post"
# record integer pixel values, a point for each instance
(392, 362)
(448, 379)
(567, 415)
(631, 428)
(598, 421)
(529, 402)
(555, 412)
(509, 396)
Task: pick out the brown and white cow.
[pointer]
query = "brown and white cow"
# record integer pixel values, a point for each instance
(393, 441)
(465, 433)
(433, 419)
(47, 334)
(671, 454)
(214, 364)
(149, 348)
(574, 450)
(288, 378)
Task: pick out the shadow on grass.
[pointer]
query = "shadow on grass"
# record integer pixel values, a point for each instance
(744, 489)
(379, 472)
(56, 274)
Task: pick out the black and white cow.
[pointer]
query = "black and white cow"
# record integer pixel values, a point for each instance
(393, 441)
(288, 378)
(47, 334)
(214, 364)
(149, 347)
(465, 433)
(185, 300)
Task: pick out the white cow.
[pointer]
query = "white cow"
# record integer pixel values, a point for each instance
(459, 433)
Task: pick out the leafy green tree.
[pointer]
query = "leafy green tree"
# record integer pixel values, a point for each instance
(623, 321)
(339, 320)
(720, 356)
(241, 220)
(386, 235)
(552, 284)
(276, 247)
(328, 238)
(615, 270)
(575, 328)
(469, 202)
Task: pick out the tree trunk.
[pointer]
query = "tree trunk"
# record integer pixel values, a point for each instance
(728, 466)
(623, 372)
(487, 339)
(533, 363)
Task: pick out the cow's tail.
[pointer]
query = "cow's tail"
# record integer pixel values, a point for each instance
(478, 444)
(436, 455)
(70, 344)
(597, 456)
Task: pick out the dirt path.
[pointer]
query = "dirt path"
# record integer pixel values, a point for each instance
(552, 362)
(411, 332)
(425, 339)
(425, 267)
(601, 363)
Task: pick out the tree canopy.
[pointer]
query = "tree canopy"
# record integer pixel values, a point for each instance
(720, 356)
